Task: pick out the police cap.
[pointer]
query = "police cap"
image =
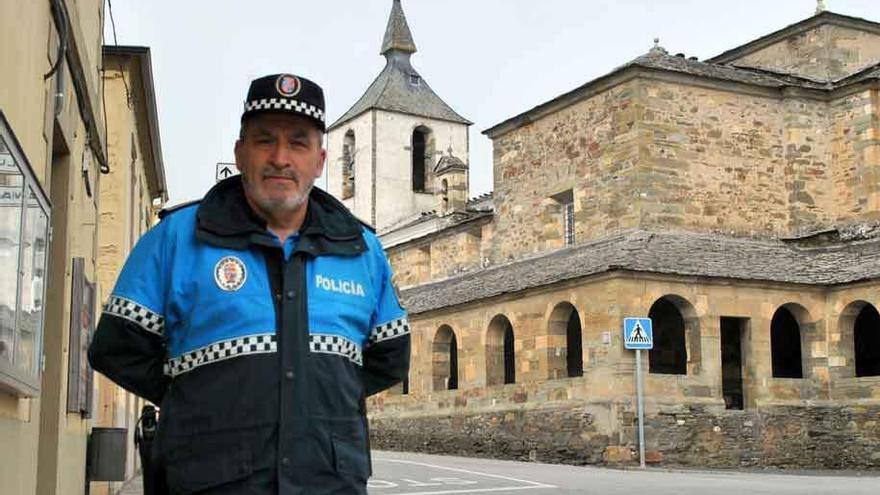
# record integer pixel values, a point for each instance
(286, 93)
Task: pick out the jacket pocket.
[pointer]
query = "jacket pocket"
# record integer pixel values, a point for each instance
(350, 457)
(207, 462)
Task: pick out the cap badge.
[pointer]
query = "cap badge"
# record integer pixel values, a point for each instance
(230, 273)
(288, 85)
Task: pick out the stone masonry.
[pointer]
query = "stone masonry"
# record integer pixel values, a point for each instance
(731, 191)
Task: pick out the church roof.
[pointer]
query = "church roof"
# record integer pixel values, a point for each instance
(823, 17)
(868, 73)
(393, 91)
(659, 59)
(852, 255)
(399, 87)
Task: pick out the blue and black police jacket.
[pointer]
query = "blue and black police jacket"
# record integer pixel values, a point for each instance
(261, 355)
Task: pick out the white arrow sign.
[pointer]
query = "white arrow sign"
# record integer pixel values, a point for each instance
(225, 171)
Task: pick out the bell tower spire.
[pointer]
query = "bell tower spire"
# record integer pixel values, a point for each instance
(397, 35)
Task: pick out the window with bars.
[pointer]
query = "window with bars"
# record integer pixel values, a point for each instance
(568, 223)
(565, 202)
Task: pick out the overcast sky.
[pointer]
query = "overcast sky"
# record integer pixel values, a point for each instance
(488, 59)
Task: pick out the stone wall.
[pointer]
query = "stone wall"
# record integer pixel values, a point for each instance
(825, 53)
(815, 437)
(855, 146)
(449, 254)
(722, 161)
(456, 253)
(412, 265)
(590, 148)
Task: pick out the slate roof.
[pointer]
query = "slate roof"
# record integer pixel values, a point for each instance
(659, 59)
(675, 253)
(397, 33)
(393, 89)
(868, 73)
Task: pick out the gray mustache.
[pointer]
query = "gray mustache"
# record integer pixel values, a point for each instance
(283, 174)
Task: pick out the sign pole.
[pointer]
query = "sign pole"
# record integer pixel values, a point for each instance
(638, 335)
(641, 408)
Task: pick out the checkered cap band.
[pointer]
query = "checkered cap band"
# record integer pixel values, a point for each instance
(144, 317)
(390, 330)
(284, 104)
(334, 344)
(220, 351)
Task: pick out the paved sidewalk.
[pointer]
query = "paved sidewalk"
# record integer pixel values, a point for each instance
(133, 487)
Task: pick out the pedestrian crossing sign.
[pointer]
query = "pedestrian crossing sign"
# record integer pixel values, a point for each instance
(638, 333)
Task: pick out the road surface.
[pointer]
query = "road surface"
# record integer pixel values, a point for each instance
(397, 473)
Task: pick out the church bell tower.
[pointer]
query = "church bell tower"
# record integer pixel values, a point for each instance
(399, 150)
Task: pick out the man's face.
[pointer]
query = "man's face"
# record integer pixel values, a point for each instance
(279, 156)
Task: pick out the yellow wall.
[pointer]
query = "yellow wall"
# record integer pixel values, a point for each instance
(125, 214)
(42, 448)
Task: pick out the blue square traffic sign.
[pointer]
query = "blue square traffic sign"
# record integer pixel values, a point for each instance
(638, 333)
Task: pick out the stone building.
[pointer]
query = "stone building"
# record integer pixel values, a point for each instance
(735, 201)
(54, 153)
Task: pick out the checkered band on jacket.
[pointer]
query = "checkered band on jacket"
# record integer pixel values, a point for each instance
(219, 351)
(390, 330)
(285, 104)
(144, 317)
(334, 344)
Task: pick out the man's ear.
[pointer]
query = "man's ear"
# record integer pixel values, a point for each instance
(323, 162)
(237, 152)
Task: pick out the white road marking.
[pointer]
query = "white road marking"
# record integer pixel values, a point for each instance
(531, 484)
(477, 490)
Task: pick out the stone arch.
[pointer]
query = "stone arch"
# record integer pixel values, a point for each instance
(566, 351)
(789, 327)
(860, 338)
(444, 359)
(500, 353)
(676, 337)
(349, 151)
(422, 146)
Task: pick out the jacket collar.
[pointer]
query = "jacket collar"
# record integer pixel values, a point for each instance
(225, 219)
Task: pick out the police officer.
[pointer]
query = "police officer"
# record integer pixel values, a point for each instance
(259, 318)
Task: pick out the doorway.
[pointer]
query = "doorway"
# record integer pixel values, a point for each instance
(733, 331)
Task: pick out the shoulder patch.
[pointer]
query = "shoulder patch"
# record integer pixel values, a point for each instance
(164, 212)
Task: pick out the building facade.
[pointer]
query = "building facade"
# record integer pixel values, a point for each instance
(53, 154)
(735, 201)
(130, 196)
